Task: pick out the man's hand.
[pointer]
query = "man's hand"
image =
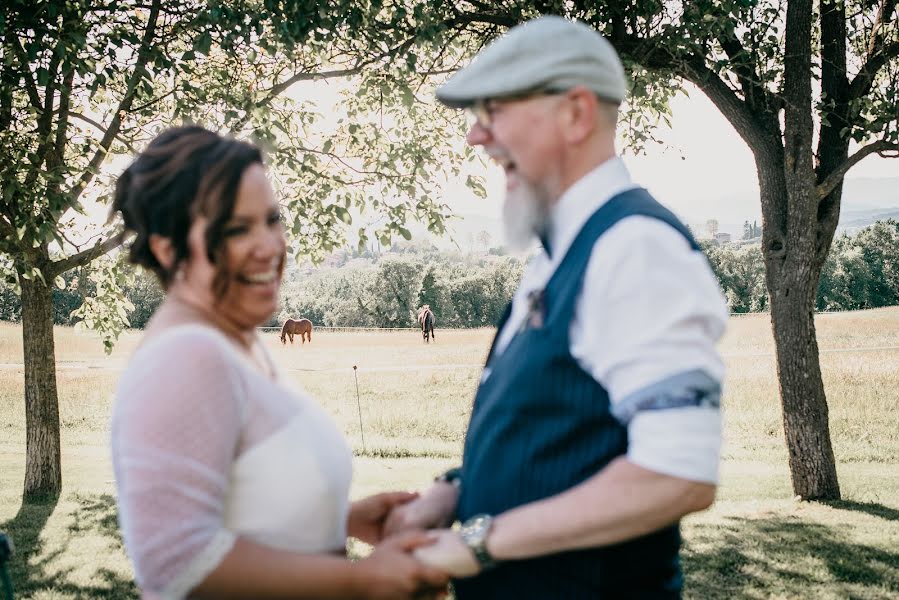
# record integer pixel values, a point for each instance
(391, 572)
(448, 553)
(435, 508)
(367, 516)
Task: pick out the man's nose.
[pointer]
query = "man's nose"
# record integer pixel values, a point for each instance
(478, 135)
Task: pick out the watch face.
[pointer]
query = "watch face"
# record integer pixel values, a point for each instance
(474, 534)
(475, 529)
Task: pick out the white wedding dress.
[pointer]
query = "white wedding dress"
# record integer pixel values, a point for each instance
(206, 448)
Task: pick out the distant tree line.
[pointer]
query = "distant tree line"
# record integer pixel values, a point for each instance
(471, 290)
(861, 271)
(463, 291)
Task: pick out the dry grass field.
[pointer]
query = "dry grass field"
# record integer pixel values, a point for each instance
(414, 399)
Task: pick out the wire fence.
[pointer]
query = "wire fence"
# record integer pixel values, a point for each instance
(350, 329)
(817, 312)
(402, 329)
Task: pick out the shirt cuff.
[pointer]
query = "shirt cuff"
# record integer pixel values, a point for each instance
(680, 442)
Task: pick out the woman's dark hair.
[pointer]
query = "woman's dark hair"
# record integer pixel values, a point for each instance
(183, 173)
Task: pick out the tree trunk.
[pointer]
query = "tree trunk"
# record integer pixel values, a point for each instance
(792, 273)
(43, 474)
(805, 414)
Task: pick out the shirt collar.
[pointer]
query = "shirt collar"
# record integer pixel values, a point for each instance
(580, 201)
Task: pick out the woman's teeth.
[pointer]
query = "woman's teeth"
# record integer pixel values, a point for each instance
(266, 277)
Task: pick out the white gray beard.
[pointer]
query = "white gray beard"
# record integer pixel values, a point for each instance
(524, 215)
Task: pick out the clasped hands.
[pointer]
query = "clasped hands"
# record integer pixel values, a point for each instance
(432, 512)
(408, 548)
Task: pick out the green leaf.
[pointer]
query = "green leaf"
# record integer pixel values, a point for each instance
(203, 43)
(343, 214)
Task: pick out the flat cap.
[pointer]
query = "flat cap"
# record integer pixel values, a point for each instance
(546, 53)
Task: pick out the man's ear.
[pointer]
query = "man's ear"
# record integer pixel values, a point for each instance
(163, 250)
(581, 118)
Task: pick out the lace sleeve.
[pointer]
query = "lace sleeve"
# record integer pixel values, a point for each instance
(175, 433)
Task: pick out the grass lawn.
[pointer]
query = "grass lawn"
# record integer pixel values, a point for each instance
(756, 541)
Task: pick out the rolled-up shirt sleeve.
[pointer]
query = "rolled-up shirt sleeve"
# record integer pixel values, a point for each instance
(175, 431)
(646, 325)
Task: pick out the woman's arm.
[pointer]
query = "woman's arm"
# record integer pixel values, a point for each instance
(178, 419)
(250, 570)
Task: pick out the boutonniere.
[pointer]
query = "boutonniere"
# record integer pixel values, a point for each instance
(536, 310)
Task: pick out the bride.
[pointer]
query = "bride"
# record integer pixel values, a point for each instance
(230, 484)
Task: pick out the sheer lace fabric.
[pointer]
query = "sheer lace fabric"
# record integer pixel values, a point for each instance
(206, 448)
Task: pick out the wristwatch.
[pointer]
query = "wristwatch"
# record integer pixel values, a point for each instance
(474, 533)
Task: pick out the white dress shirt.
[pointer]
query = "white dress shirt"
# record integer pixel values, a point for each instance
(648, 317)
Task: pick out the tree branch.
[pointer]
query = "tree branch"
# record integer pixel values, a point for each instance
(59, 267)
(62, 122)
(863, 81)
(751, 125)
(883, 148)
(884, 14)
(143, 56)
(30, 87)
(742, 66)
(101, 128)
(154, 101)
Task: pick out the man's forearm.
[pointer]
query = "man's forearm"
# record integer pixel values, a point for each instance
(622, 502)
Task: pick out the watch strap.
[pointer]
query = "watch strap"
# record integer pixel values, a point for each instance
(453, 476)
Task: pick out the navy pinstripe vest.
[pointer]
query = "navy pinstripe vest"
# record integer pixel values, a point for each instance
(541, 425)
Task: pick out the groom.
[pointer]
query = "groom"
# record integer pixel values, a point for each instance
(596, 424)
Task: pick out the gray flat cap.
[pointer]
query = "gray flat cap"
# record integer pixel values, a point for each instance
(549, 52)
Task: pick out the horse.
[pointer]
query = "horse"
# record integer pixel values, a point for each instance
(426, 321)
(292, 327)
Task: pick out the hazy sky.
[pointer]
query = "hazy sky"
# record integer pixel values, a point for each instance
(704, 171)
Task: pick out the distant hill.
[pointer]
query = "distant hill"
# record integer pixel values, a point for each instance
(853, 220)
(867, 200)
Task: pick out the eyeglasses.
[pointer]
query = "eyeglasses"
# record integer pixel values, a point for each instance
(482, 111)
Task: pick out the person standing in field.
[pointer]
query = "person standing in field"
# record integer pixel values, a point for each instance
(229, 483)
(596, 424)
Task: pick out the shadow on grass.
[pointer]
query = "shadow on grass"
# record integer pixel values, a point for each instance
(785, 556)
(33, 566)
(872, 508)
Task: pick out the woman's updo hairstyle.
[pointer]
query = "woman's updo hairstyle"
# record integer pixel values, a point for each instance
(183, 173)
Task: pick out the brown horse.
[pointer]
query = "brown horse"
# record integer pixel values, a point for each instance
(291, 327)
(426, 321)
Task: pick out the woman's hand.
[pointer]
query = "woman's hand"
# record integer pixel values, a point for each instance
(367, 516)
(448, 553)
(435, 508)
(391, 573)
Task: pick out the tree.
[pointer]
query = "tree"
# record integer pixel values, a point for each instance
(879, 247)
(392, 299)
(484, 239)
(760, 63)
(845, 279)
(84, 81)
